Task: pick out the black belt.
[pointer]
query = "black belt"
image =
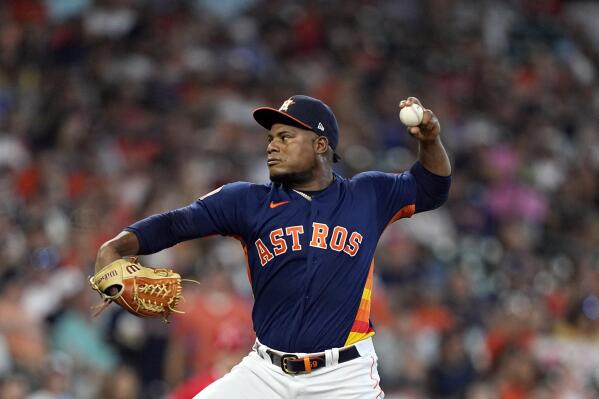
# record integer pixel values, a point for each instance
(293, 364)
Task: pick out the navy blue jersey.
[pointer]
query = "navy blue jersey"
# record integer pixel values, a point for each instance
(310, 259)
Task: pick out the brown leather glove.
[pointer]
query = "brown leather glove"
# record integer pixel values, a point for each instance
(142, 291)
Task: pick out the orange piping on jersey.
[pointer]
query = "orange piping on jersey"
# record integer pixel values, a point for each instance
(405, 212)
(361, 328)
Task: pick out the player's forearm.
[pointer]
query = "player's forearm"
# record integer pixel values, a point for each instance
(433, 157)
(124, 244)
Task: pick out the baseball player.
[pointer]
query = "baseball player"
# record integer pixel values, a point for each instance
(310, 237)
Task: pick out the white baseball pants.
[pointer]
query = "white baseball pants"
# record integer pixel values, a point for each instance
(257, 378)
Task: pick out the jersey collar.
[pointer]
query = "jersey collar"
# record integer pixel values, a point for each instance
(331, 189)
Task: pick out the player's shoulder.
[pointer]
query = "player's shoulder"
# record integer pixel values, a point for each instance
(256, 190)
(369, 177)
(248, 187)
(238, 188)
(378, 179)
(363, 182)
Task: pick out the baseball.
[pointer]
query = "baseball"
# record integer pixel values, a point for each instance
(411, 115)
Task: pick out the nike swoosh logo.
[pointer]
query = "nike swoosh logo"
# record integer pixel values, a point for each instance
(275, 204)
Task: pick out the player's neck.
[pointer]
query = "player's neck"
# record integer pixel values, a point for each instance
(321, 181)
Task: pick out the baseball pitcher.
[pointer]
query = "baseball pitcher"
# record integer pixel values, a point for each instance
(310, 237)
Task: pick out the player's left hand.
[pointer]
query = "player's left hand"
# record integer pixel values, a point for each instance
(429, 129)
(141, 290)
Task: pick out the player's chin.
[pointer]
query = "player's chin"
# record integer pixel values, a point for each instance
(277, 174)
(288, 178)
(280, 174)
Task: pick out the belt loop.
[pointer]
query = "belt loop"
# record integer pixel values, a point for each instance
(335, 357)
(261, 350)
(328, 358)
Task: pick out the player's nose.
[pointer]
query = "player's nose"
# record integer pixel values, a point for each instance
(272, 147)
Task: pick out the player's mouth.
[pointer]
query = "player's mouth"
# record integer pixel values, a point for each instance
(273, 161)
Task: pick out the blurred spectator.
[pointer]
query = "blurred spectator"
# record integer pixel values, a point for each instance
(230, 346)
(113, 110)
(453, 373)
(76, 335)
(518, 376)
(122, 383)
(215, 317)
(57, 371)
(14, 387)
(23, 334)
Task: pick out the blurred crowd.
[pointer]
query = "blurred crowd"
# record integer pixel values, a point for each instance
(112, 110)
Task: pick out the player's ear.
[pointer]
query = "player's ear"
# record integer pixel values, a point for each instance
(321, 145)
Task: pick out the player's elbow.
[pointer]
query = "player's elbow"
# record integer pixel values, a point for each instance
(432, 190)
(439, 199)
(433, 196)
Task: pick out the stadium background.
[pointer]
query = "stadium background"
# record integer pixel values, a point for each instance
(111, 110)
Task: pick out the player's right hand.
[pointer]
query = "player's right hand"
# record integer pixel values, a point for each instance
(429, 129)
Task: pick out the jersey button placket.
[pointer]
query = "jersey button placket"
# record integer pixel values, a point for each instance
(312, 256)
(307, 237)
(312, 251)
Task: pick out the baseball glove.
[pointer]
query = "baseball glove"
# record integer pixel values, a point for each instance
(142, 291)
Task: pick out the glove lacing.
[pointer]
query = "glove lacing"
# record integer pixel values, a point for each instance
(157, 290)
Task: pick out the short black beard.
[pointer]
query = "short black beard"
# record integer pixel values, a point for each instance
(293, 179)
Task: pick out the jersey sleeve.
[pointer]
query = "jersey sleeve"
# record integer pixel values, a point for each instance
(401, 195)
(218, 212)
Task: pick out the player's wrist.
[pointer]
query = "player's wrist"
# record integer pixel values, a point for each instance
(106, 255)
(430, 140)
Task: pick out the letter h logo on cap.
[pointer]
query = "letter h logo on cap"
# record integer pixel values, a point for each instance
(286, 104)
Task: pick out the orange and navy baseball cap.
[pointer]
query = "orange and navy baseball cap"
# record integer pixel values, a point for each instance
(304, 112)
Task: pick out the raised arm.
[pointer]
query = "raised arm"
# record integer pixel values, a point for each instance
(431, 153)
